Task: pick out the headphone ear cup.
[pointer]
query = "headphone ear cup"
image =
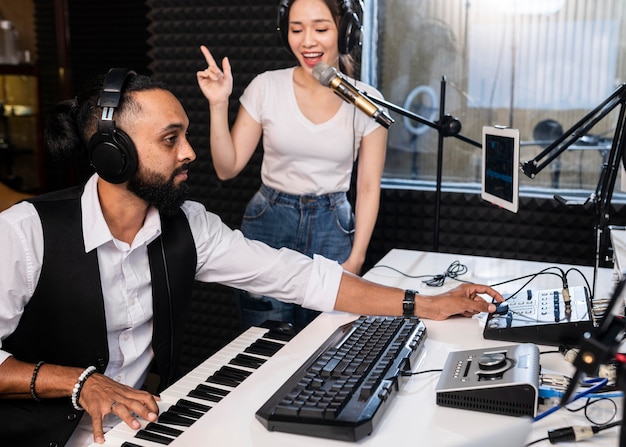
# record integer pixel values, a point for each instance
(349, 32)
(113, 156)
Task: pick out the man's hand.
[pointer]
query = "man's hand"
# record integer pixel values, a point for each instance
(463, 300)
(101, 396)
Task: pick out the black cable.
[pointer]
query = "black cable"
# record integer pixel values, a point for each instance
(537, 441)
(574, 433)
(453, 271)
(457, 269)
(589, 403)
(578, 432)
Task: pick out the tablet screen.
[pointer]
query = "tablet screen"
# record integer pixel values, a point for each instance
(500, 169)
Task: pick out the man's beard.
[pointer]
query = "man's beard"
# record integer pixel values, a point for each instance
(157, 190)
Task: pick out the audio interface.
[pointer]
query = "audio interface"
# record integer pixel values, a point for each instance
(502, 380)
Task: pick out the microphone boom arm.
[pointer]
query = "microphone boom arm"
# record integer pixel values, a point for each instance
(533, 167)
(447, 125)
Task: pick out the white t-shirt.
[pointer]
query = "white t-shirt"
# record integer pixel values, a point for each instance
(301, 157)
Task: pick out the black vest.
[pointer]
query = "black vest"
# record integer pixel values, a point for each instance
(64, 322)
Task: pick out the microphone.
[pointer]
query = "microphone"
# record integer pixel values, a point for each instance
(329, 77)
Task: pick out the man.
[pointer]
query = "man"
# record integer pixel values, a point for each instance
(95, 280)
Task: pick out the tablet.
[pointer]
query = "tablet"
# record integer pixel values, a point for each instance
(500, 169)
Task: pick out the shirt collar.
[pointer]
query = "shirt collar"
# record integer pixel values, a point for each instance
(95, 229)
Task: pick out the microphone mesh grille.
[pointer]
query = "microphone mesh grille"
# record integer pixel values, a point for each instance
(324, 73)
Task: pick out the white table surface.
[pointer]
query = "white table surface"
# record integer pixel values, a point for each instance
(413, 418)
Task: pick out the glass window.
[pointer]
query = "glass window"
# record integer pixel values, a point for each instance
(540, 66)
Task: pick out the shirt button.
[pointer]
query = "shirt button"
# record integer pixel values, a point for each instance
(118, 378)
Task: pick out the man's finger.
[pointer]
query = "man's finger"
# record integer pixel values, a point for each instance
(123, 412)
(98, 432)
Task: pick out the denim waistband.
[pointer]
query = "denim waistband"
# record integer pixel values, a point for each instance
(301, 201)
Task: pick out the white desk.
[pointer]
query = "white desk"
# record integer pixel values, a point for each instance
(413, 418)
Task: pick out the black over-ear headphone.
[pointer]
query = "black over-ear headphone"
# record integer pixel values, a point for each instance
(111, 151)
(349, 24)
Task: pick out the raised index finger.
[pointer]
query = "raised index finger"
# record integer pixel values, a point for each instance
(207, 55)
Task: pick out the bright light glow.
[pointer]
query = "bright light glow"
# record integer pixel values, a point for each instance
(539, 7)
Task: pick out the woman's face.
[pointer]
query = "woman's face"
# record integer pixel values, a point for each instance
(313, 33)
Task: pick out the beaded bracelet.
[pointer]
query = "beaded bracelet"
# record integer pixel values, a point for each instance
(79, 386)
(33, 379)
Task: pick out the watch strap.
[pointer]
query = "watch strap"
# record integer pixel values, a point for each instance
(408, 303)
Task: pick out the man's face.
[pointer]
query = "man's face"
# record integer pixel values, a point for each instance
(158, 131)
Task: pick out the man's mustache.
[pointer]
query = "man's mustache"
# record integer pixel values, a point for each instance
(181, 169)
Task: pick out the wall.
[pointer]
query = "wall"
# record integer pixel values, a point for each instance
(244, 30)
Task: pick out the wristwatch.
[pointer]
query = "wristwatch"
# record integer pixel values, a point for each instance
(408, 303)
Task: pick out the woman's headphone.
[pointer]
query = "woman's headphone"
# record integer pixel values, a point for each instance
(349, 24)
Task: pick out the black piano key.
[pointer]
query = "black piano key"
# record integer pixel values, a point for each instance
(171, 418)
(278, 336)
(130, 444)
(154, 437)
(248, 361)
(199, 393)
(234, 373)
(212, 389)
(182, 411)
(221, 380)
(163, 429)
(264, 347)
(193, 405)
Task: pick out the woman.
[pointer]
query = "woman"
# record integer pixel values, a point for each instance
(311, 138)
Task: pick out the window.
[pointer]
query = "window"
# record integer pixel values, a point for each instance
(536, 65)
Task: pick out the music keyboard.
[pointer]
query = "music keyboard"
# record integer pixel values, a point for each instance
(188, 399)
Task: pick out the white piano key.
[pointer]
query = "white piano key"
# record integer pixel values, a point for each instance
(122, 433)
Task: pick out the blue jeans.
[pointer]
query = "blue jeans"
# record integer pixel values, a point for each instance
(310, 224)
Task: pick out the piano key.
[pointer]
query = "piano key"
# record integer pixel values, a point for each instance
(207, 368)
(172, 418)
(251, 348)
(193, 405)
(163, 429)
(198, 393)
(248, 361)
(212, 389)
(154, 437)
(264, 347)
(182, 411)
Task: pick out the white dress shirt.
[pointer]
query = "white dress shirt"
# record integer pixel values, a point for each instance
(223, 256)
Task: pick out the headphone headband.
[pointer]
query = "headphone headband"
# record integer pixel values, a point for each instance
(112, 87)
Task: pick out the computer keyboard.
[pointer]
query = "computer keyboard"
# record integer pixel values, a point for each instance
(342, 390)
